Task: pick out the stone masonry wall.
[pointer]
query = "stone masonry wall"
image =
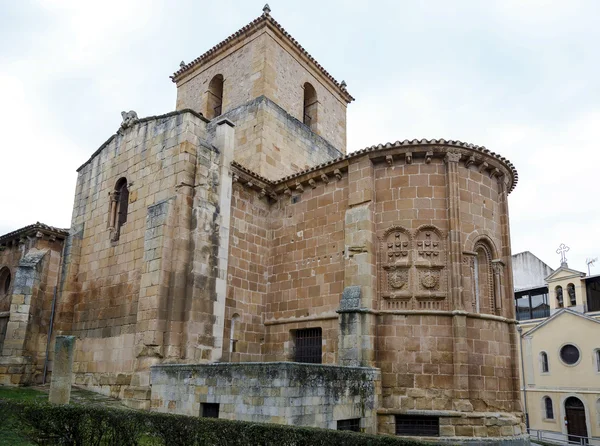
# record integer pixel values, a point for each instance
(307, 258)
(248, 268)
(277, 392)
(117, 295)
(273, 143)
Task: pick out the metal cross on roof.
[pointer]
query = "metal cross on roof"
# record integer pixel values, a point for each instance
(562, 250)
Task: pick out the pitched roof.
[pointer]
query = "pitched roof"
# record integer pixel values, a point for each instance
(264, 20)
(34, 228)
(558, 314)
(573, 273)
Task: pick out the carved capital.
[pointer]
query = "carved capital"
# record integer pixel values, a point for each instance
(452, 157)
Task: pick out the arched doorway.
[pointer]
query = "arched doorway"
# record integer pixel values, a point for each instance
(576, 426)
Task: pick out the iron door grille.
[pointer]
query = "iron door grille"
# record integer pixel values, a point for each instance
(349, 425)
(418, 425)
(308, 345)
(210, 410)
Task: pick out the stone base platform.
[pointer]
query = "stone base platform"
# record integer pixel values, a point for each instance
(276, 392)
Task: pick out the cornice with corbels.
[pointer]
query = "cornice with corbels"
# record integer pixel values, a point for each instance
(406, 152)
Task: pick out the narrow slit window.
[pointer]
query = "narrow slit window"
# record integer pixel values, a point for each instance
(5, 281)
(544, 361)
(309, 116)
(119, 208)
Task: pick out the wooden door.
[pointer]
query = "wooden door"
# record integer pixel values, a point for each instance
(576, 426)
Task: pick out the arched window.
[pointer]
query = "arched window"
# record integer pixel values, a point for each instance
(571, 293)
(234, 333)
(548, 409)
(558, 291)
(5, 281)
(214, 100)
(544, 362)
(119, 205)
(309, 116)
(484, 280)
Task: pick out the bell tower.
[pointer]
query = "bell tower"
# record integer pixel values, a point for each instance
(290, 113)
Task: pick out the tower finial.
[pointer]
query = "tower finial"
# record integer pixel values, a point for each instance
(266, 9)
(343, 84)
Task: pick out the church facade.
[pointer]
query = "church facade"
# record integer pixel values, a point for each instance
(230, 258)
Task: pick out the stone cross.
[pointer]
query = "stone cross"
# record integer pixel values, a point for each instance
(562, 250)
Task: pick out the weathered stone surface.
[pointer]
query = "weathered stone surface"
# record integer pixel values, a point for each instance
(277, 392)
(60, 386)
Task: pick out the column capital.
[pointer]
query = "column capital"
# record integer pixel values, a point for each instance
(452, 157)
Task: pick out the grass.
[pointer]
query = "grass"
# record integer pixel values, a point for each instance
(8, 436)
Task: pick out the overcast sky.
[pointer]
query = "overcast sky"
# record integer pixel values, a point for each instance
(520, 77)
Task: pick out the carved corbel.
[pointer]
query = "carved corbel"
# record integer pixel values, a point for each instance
(249, 184)
(235, 178)
(408, 157)
(483, 167)
(299, 187)
(428, 156)
(287, 191)
(470, 161)
(312, 183)
(273, 195)
(337, 174)
(495, 173)
(262, 193)
(39, 234)
(324, 178)
(390, 160)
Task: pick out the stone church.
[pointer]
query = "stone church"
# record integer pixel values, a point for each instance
(230, 259)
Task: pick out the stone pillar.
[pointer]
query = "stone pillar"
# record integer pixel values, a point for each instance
(205, 306)
(225, 142)
(459, 320)
(357, 321)
(62, 370)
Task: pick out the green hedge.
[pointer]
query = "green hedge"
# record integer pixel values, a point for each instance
(77, 425)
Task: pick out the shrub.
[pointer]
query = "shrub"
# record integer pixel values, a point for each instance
(77, 425)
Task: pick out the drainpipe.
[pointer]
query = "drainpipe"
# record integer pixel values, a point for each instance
(520, 330)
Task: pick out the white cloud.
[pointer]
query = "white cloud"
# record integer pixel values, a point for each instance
(518, 77)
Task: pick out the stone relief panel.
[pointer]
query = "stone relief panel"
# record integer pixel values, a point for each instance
(412, 268)
(430, 263)
(395, 258)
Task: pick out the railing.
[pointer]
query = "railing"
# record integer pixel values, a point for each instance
(560, 438)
